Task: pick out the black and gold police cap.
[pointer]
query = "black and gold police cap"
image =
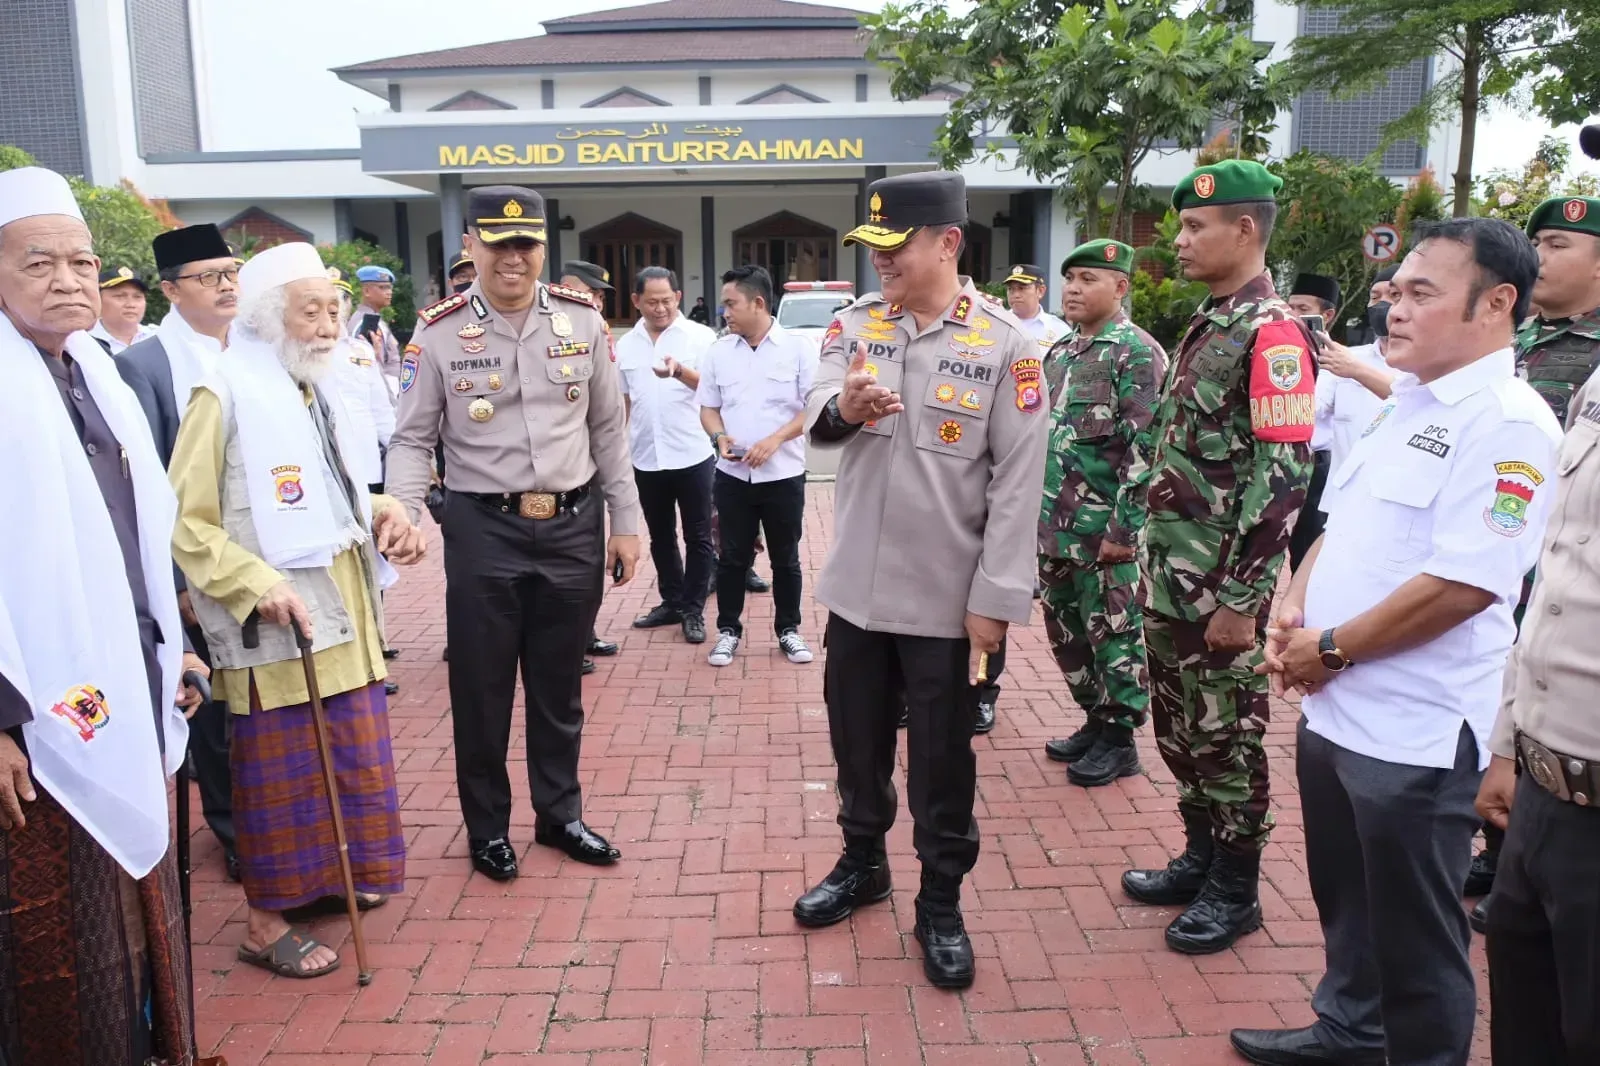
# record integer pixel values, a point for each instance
(505, 213)
(899, 206)
(111, 277)
(460, 263)
(591, 274)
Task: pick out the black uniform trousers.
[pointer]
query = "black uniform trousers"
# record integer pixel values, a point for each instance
(744, 510)
(1309, 526)
(664, 496)
(519, 591)
(864, 674)
(1544, 934)
(209, 734)
(1387, 846)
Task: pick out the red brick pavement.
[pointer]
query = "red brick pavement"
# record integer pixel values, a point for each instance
(718, 787)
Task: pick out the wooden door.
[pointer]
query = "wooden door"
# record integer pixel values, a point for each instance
(624, 246)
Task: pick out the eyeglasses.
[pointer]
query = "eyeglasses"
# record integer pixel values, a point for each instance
(210, 279)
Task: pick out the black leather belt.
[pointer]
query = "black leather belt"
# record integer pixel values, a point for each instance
(1563, 776)
(540, 505)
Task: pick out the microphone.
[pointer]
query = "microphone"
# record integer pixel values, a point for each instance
(1589, 141)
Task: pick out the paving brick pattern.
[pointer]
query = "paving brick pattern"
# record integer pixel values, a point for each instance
(718, 786)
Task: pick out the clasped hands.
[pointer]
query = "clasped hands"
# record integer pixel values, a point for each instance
(1293, 658)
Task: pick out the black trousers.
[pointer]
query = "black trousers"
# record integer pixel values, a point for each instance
(864, 674)
(665, 496)
(519, 591)
(1309, 526)
(1544, 935)
(744, 509)
(209, 732)
(1387, 846)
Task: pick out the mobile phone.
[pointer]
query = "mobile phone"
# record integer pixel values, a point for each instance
(1317, 328)
(737, 452)
(616, 572)
(369, 323)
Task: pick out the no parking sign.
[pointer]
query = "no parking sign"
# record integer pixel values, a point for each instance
(1381, 243)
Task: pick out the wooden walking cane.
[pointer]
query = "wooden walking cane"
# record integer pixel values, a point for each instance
(252, 639)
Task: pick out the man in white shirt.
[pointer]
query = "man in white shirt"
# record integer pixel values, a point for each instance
(673, 462)
(753, 401)
(1397, 629)
(1026, 286)
(122, 306)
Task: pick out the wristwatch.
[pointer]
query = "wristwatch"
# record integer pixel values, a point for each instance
(718, 435)
(1334, 659)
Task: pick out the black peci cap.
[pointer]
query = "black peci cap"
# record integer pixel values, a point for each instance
(191, 244)
(899, 206)
(1323, 288)
(506, 212)
(591, 274)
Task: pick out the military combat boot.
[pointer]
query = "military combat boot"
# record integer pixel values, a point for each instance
(1181, 880)
(1110, 757)
(861, 876)
(1226, 909)
(946, 948)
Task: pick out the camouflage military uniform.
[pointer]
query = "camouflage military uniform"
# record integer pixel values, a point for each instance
(1227, 480)
(1096, 474)
(1557, 357)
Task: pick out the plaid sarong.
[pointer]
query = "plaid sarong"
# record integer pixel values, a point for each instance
(287, 854)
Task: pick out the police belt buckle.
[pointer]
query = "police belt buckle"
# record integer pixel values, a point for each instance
(540, 505)
(1566, 778)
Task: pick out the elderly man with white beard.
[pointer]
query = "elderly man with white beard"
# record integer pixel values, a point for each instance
(272, 522)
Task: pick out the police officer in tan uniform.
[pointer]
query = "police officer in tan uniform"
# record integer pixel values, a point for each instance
(938, 406)
(515, 380)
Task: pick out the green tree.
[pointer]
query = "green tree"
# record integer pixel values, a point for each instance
(1163, 308)
(1513, 194)
(353, 255)
(1086, 93)
(1423, 201)
(1328, 206)
(1503, 49)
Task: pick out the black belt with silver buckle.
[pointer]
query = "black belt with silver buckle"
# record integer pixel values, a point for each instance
(1564, 776)
(540, 505)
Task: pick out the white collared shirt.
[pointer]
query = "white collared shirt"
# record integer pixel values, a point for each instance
(1453, 479)
(99, 332)
(664, 424)
(758, 392)
(1345, 407)
(1045, 329)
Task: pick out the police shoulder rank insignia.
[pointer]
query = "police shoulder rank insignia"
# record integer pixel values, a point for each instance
(433, 313)
(408, 367)
(1283, 403)
(1507, 515)
(1029, 375)
(571, 294)
(950, 431)
(287, 486)
(962, 309)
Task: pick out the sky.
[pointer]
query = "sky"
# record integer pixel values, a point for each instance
(286, 98)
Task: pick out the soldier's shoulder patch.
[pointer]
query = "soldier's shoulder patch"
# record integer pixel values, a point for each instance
(574, 295)
(1282, 384)
(447, 306)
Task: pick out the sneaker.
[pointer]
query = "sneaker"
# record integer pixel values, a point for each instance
(793, 647)
(722, 651)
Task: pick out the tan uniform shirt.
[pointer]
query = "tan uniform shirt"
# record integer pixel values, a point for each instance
(1552, 681)
(535, 410)
(936, 510)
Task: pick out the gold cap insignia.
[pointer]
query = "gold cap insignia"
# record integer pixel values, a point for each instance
(124, 273)
(605, 276)
(513, 209)
(875, 205)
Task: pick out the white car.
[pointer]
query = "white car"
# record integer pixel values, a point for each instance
(809, 307)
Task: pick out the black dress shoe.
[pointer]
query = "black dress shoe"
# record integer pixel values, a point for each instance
(905, 716)
(985, 721)
(1076, 746)
(1227, 907)
(1478, 918)
(230, 865)
(581, 844)
(391, 653)
(1182, 878)
(494, 859)
(1105, 762)
(694, 629)
(601, 647)
(854, 882)
(658, 616)
(588, 667)
(391, 687)
(1480, 875)
(754, 582)
(1297, 1047)
(946, 948)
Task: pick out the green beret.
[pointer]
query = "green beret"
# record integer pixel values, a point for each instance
(1107, 255)
(1581, 214)
(1232, 181)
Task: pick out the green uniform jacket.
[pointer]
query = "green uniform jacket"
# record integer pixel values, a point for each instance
(1232, 456)
(1098, 466)
(1557, 357)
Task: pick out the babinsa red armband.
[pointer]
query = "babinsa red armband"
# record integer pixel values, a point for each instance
(1283, 385)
